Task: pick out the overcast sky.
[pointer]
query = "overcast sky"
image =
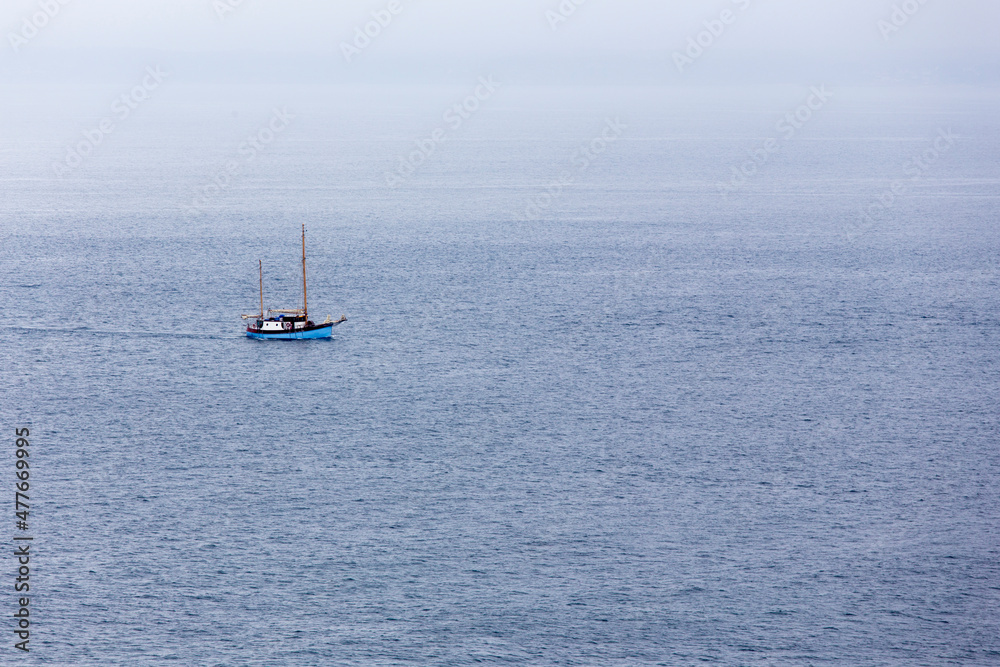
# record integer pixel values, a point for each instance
(782, 33)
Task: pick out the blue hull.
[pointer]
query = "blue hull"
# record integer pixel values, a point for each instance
(318, 332)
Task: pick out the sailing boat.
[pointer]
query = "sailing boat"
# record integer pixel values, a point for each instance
(289, 324)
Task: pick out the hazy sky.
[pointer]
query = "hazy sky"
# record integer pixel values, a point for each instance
(782, 32)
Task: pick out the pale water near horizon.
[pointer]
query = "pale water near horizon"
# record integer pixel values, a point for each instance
(650, 424)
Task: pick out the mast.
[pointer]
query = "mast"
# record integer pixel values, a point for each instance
(260, 264)
(305, 300)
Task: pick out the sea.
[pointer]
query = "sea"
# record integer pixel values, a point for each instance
(631, 375)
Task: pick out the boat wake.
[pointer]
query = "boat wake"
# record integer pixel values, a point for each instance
(123, 333)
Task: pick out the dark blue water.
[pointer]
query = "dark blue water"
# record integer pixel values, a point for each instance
(654, 425)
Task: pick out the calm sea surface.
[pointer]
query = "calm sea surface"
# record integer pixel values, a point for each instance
(626, 420)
